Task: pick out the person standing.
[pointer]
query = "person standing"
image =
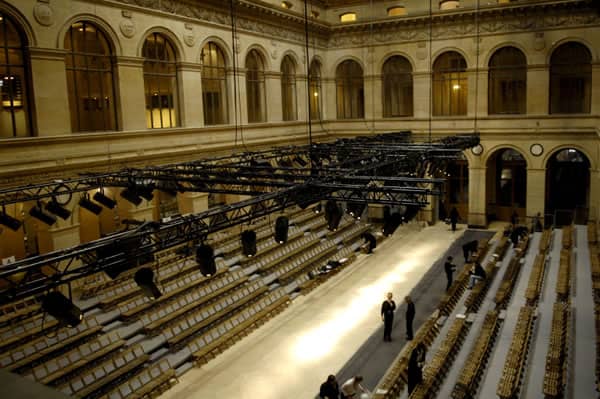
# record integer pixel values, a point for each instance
(351, 387)
(410, 316)
(453, 218)
(449, 268)
(330, 389)
(387, 315)
(415, 366)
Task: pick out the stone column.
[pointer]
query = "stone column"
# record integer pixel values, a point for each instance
(479, 102)
(538, 78)
(369, 96)
(51, 98)
(301, 97)
(594, 195)
(536, 191)
(190, 93)
(328, 102)
(377, 97)
(421, 90)
(595, 89)
(273, 104)
(477, 186)
(132, 102)
(242, 102)
(192, 202)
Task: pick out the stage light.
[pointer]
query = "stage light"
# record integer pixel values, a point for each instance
(205, 258)
(144, 278)
(42, 216)
(248, 243)
(89, 205)
(55, 208)
(333, 215)
(300, 161)
(9, 221)
(318, 208)
(281, 229)
(391, 223)
(131, 195)
(146, 192)
(62, 309)
(355, 209)
(104, 200)
(124, 254)
(370, 239)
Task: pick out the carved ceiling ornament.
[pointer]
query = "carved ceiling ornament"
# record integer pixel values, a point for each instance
(519, 20)
(43, 13)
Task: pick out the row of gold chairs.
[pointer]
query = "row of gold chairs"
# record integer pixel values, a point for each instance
(510, 381)
(441, 362)
(509, 278)
(395, 379)
(563, 282)
(469, 378)
(556, 376)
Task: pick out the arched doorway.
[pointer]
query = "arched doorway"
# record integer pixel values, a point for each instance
(506, 182)
(568, 186)
(456, 189)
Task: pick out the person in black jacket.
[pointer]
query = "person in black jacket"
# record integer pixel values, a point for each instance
(330, 389)
(449, 268)
(387, 315)
(477, 273)
(410, 316)
(453, 218)
(415, 366)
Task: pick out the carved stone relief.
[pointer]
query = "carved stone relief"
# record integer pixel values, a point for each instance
(43, 14)
(127, 28)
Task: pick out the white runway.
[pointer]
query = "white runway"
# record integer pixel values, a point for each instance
(292, 354)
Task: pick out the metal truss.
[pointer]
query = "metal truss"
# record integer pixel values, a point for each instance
(384, 169)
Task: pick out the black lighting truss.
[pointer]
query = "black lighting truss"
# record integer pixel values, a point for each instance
(384, 169)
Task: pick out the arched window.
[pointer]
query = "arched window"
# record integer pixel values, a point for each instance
(397, 87)
(255, 87)
(15, 110)
(570, 79)
(160, 81)
(507, 82)
(350, 92)
(90, 78)
(315, 89)
(288, 89)
(214, 84)
(450, 85)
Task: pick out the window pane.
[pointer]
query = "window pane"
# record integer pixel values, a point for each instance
(350, 93)
(90, 78)
(570, 79)
(14, 81)
(397, 87)
(255, 87)
(450, 85)
(507, 82)
(160, 82)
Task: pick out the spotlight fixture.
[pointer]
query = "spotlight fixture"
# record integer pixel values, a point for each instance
(248, 243)
(9, 221)
(131, 195)
(42, 216)
(281, 229)
(89, 205)
(144, 278)
(370, 239)
(205, 257)
(146, 192)
(355, 209)
(333, 215)
(62, 309)
(55, 208)
(391, 223)
(101, 198)
(318, 208)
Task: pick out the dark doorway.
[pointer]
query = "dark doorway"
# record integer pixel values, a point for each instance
(506, 183)
(568, 186)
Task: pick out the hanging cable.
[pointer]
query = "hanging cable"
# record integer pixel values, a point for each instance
(476, 65)
(235, 74)
(309, 116)
(430, 67)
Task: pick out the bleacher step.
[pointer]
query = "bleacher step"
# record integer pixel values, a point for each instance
(179, 371)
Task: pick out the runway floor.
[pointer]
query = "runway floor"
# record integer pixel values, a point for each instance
(336, 328)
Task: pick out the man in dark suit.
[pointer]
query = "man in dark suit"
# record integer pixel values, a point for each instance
(410, 316)
(449, 268)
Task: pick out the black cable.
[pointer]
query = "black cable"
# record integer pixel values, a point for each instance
(309, 116)
(430, 67)
(235, 71)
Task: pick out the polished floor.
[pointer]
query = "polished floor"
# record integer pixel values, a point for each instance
(319, 333)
